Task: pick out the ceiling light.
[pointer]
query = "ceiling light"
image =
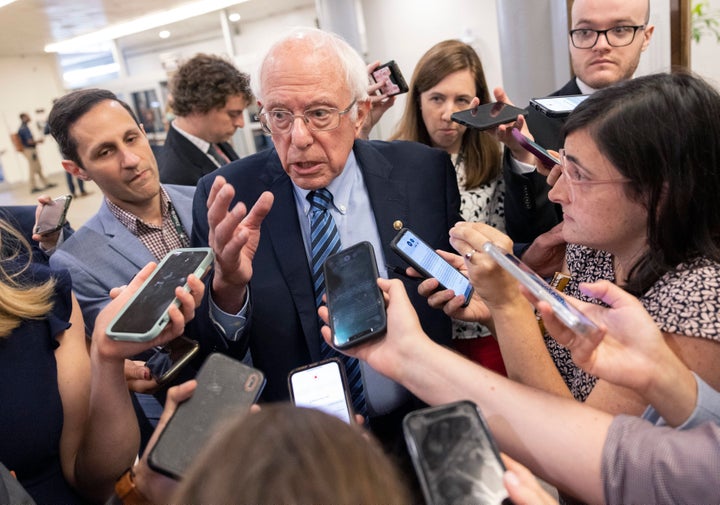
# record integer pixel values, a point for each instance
(234, 17)
(164, 34)
(141, 24)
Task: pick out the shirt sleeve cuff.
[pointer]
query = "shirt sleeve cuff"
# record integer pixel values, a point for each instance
(520, 168)
(230, 325)
(706, 409)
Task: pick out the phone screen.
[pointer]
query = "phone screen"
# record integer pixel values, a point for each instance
(454, 455)
(569, 315)
(559, 105)
(429, 263)
(147, 309)
(52, 215)
(354, 300)
(321, 386)
(167, 360)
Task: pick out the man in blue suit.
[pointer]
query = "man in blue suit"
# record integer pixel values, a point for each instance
(313, 93)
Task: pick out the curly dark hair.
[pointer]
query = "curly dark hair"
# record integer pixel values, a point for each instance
(205, 82)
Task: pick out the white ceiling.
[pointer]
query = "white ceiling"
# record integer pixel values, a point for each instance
(26, 26)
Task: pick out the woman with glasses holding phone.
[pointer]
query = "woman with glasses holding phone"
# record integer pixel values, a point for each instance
(639, 192)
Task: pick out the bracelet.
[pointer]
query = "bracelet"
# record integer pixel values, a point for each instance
(126, 490)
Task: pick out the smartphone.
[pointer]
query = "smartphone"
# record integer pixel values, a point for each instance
(322, 386)
(547, 159)
(569, 315)
(167, 360)
(52, 215)
(226, 389)
(354, 300)
(145, 315)
(425, 260)
(488, 115)
(390, 71)
(454, 455)
(557, 106)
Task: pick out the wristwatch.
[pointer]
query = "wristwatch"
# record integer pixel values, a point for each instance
(126, 491)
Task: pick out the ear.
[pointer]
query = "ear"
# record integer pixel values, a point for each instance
(363, 109)
(74, 169)
(647, 35)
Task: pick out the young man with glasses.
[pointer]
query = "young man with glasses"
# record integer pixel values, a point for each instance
(606, 40)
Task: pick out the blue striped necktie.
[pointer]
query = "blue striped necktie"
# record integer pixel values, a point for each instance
(325, 240)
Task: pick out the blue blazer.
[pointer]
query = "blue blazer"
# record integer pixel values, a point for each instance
(181, 162)
(406, 182)
(103, 254)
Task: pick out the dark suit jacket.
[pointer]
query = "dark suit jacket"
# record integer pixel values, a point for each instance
(406, 181)
(181, 162)
(528, 211)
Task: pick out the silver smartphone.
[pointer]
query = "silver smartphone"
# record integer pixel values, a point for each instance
(52, 215)
(569, 315)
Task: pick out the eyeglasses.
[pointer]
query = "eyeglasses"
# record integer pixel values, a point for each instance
(617, 36)
(318, 119)
(577, 180)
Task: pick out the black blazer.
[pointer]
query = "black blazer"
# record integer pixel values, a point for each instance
(181, 162)
(407, 182)
(528, 211)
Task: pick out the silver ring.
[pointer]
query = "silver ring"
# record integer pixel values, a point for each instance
(469, 255)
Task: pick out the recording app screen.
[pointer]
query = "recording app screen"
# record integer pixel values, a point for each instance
(431, 261)
(321, 388)
(355, 305)
(159, 292)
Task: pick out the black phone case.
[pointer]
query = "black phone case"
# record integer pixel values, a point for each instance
(226, 389)
(395, 76)
(552, 113)
(167, 361)
(343, 379)
(488, 115)
(454, 455)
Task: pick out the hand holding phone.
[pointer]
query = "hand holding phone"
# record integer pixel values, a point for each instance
(547, 159)
(322, 386)
(454, 455)
(226, 387)
(568, 314)
(430, 264)
(488, 115)
(356, 307)
(391, 72)
(146, 313)
(52, 215)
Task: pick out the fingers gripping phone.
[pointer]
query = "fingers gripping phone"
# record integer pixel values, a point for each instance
(52, 215)
(355, 303)
(569, 315)
(454, 455)
(168, 360)
(425, 260)
(226, 388)
(488, 115)
(322, 386)
(547, 159)
(391, 72)
(557, 106)
(145, 315)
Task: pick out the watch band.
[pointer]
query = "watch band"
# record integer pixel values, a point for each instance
(126, 491)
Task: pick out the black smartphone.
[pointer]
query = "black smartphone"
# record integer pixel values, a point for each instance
(226, 389)
(145, 315)
(454, 455)
(557, 106)
(322, 386)
(354, 300)
(425, 260)
(391, 72)
(488, 115)
(52, 215)
(167, 360)
(547, 159)
(569, 315)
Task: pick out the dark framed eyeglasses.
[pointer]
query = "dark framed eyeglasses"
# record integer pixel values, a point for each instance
(617, 36)
(280, 121)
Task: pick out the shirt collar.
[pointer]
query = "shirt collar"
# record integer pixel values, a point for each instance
(201, 144)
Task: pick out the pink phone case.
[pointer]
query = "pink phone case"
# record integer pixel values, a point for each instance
(547, 159)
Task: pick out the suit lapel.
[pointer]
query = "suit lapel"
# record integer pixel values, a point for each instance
(122, 241)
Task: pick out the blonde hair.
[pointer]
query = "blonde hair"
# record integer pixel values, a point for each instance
(17, 301)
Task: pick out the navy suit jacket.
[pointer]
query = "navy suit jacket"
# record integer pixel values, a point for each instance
(103, 254)
(181, 162)
(528, 210)
(406, 182)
